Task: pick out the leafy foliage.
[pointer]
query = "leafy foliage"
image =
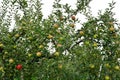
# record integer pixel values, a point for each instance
(52, 48)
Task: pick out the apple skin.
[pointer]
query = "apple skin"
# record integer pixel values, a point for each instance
(56, 54)
(60, 66)
(11, 60)
(61, 18)
(95, 44)
(107, 77)
(55, 25)
(92, 66)
(81, 33)
(112, 28)
(49, 36)
(73, 17)
(17, 35)
(38, 54)
(117, 68)
(72, 25)
(19, 67)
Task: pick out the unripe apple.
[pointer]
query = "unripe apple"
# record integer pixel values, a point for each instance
(56, 53)
(1, 69)
(29, 55)
(117, 67)
(49, 36)
(41, 46)
(81, 33)
(92, 66)
(72, 25)
(14, 46)
(11, 60)
(107, 65)
(1, 45)
(95, 36)
(87, 42)
(60, 66)
(111, 23)
(30, 38)
(95, 44)
(61, 38)
(38, 54)
(73, 17)
(55, 25)
(17, 35)
(111, 28)
(107, 77)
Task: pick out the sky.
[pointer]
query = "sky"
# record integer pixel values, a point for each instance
(95, 5)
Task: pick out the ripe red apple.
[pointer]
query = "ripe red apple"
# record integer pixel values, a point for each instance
(19, 67)
(73, 17)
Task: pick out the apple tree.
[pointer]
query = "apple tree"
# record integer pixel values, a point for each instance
(53, 48)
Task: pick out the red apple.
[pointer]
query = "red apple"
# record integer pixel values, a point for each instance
(19, 67)
(73, 17)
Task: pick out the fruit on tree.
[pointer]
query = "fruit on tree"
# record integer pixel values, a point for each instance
(17, 35)
(30, 38)
(19, 67)
(81, 33)
(49, 36)
(11, 60)
(107, 65)
(38, 54)
(14, 46)
(41, 46)
(1, 45)
(73, 17)
(87, 42)
(117, 67)
(29, 55)
(107, 77)
(61, 18)
(92, 66)
(1, 68)
(55, 25)
(59, 45)
(72, 25)
(111, 23)
(56, 54)
(95, 36)
(61, 38)
(95, 44)
(60, 66)
(111, 28)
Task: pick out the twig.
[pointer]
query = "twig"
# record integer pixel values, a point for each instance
(100, 69)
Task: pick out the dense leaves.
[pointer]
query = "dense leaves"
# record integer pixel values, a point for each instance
(53, 49)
